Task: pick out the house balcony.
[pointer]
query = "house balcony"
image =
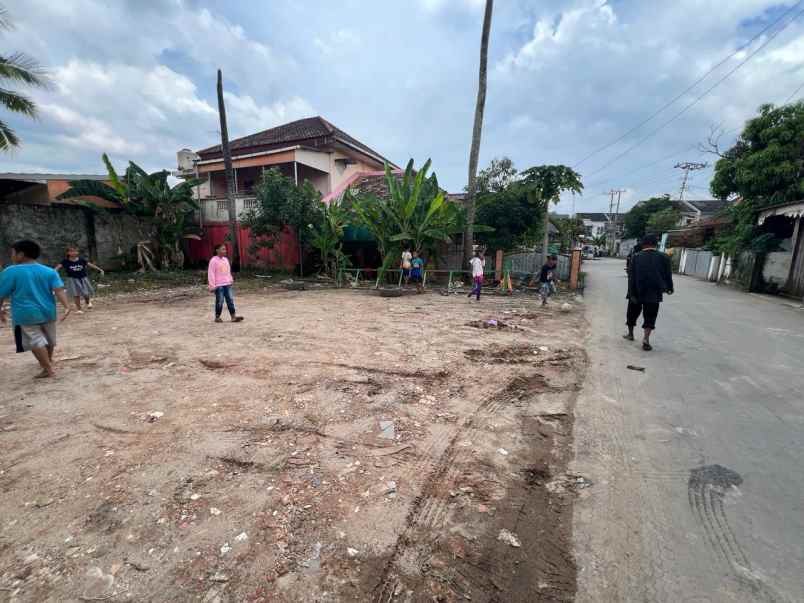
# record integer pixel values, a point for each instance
(215, 209)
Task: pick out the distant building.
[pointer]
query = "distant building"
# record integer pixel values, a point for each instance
(596, 224)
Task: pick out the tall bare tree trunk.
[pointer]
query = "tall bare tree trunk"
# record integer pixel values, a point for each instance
(227, 166)
(546, 241)
(469, 232)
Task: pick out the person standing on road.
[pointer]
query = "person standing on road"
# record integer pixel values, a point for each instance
(31, 287)
(649, 277)
(478, 265)
(219, 277)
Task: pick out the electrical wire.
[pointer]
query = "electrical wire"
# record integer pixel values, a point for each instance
(691, 86)
(699, 98)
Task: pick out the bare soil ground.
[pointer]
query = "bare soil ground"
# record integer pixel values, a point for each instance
(335, 446)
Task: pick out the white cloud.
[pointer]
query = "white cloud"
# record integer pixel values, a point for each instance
(566, 77)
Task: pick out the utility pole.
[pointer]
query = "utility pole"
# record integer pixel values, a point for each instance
(227, 166)
(613, 216)
(688, 166)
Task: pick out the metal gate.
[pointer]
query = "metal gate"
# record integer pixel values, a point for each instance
(698, 262)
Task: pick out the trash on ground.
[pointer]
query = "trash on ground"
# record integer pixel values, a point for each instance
(503, 451)
(509, 538)
(641, 369)
(387, 430)
(154, 415)
(352, 552)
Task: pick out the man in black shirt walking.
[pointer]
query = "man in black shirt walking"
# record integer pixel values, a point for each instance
(649, 277)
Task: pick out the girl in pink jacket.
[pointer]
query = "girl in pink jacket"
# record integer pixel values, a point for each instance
(219, 276)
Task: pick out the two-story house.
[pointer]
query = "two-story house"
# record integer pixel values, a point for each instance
(306, 149)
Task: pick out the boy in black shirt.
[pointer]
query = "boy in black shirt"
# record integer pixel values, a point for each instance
(547, 279)
(76, 277)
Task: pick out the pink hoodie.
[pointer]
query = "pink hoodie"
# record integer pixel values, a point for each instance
(219, 273)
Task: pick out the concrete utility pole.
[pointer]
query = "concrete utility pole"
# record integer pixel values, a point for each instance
(612, 218)
(688, 166)
(230, 184)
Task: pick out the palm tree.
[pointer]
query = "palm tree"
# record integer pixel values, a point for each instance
(471, 208)
(16, 68)
(546, 183)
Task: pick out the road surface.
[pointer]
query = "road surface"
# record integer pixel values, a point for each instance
(697, 464)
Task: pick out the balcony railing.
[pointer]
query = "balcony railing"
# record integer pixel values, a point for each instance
(216, 209)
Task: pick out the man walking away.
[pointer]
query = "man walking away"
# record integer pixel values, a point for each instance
(31, 287)
(477, 275)
(650, 276)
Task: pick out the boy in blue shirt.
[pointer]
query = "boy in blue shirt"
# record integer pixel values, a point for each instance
(31, 287)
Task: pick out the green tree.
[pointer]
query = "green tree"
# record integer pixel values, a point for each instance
(16, 68)
(766, 164)
(764, 167)
(546, 183)
(415, 212)
(569, 230)
(512, 217)
(664, 220)
(327, 237)
(495, 178)
(636, 220)
(145, 195)
(281, 203)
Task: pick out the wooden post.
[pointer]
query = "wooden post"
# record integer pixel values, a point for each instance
(575, 268)
(498, 265)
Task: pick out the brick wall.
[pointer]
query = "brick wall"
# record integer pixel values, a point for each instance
(101, 236)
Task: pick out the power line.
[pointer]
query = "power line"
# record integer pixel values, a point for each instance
(789, 98)
(691, 86)
(649, 165)
(699, 98)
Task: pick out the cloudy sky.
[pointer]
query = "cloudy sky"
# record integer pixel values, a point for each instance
(136, 79)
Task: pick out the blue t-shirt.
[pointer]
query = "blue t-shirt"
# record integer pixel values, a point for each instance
(30, 287)
(417, 264)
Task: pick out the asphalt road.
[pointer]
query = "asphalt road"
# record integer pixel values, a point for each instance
(697, 463)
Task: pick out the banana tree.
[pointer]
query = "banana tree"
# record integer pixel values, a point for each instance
(415, 211)
(327, 237)
(145, 195)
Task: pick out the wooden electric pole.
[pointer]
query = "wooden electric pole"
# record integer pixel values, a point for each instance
(227, 166)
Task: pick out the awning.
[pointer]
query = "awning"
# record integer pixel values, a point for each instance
(794, 210)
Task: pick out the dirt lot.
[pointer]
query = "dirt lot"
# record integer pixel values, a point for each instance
(336, 446)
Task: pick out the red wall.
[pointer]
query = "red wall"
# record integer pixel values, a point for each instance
(284, 254)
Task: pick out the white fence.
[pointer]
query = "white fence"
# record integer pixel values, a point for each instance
(704, 264)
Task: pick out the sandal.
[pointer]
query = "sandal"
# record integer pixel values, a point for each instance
(646, 346)
(628, 336)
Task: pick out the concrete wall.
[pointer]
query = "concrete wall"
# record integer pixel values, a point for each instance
(777, 268)
(99, 235)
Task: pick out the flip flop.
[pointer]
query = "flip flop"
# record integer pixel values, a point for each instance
(628, 337)
(646, 346)
(237, 319)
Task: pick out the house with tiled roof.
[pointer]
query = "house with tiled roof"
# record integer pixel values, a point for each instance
(310, 149)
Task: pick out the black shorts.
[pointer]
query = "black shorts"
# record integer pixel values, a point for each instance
(649, 313)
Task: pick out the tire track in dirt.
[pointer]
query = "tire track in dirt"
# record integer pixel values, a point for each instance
(430, 507)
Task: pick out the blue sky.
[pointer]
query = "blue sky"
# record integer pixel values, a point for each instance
(136, 79)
